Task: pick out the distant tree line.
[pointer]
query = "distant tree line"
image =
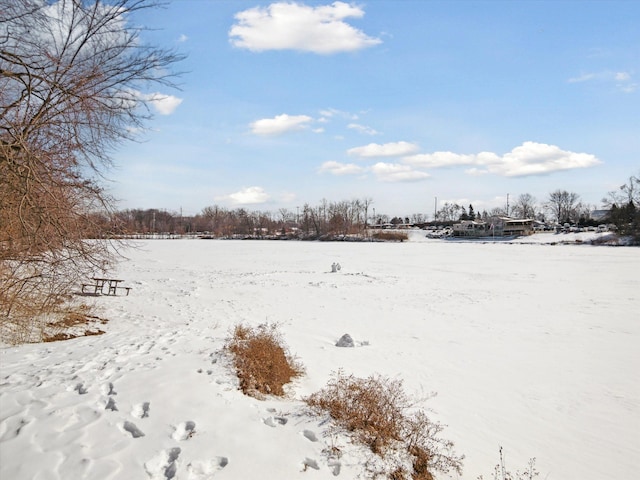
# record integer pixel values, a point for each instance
(323, 220)
(353, 217)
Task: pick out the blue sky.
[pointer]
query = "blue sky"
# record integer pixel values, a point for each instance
(399, 101)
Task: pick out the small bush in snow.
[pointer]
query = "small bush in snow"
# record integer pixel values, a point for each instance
(500, 472)
(391, 236)
(262, 362)
(378, 414)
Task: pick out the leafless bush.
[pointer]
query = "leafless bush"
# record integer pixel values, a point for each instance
(261, 359)
(500, 472)
(378, 414)
(390, 236)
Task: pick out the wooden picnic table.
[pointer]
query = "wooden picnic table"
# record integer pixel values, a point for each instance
(99, 284)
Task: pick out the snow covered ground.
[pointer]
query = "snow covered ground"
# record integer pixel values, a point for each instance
(532, 347)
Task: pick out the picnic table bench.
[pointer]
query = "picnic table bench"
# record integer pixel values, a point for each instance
(99, 284)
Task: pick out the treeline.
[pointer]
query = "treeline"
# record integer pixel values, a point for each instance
(326, 219)
(354, 217)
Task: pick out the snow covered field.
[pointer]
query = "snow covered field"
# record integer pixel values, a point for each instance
(532, 347)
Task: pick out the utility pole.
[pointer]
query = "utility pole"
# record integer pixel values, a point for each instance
(507, 204)
(435, 209)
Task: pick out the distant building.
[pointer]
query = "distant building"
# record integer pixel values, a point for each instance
(471, 228)
(598, 215)
(518, 227)
(494, 226)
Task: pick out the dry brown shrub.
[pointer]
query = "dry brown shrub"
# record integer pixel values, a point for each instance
(377, 413)
(391, 236)
(261, 359)
(73, 323)
(61, 322)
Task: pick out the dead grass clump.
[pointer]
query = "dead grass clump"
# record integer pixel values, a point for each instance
(72, 323)
(391, 236)
(262, 362)
(378, 414)
(60, 321)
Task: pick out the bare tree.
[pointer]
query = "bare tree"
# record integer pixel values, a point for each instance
(74, 80)
(563, 205)
(629, 192)
(525, 206)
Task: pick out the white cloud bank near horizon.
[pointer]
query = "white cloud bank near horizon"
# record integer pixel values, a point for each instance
(530, 158)
(295, 26)
(248, 196)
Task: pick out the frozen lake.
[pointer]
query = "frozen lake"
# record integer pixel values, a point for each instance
(534, 348)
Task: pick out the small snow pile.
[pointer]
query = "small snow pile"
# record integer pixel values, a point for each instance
(345, 341)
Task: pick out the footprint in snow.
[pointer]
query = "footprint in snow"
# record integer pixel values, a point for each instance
(111, 405)
(335, 466)
(141, 410)
(163, 466)
(184, 431)
(309, 463)
(310, 435)
(80, 388)
(108, 389)
(274, 421)
(204, 469)
(132, 429)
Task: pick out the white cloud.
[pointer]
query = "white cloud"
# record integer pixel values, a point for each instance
(334, 112)
(476, 172)
(280, 124)
(249, 196)
(336, 168)
(530, 158)
(395, 172)
(585, 77)
(533, 158)
(393, 149)
(295, 26)
(182, 38)
(629, 87)
(439, 159)
(163, 104)
(363, 129)
(622, 80)
(287, 197)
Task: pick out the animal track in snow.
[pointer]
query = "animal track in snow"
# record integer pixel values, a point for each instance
(141, 410)
(163, 466)
(184, 431)
(132, 429)
(204, 469)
